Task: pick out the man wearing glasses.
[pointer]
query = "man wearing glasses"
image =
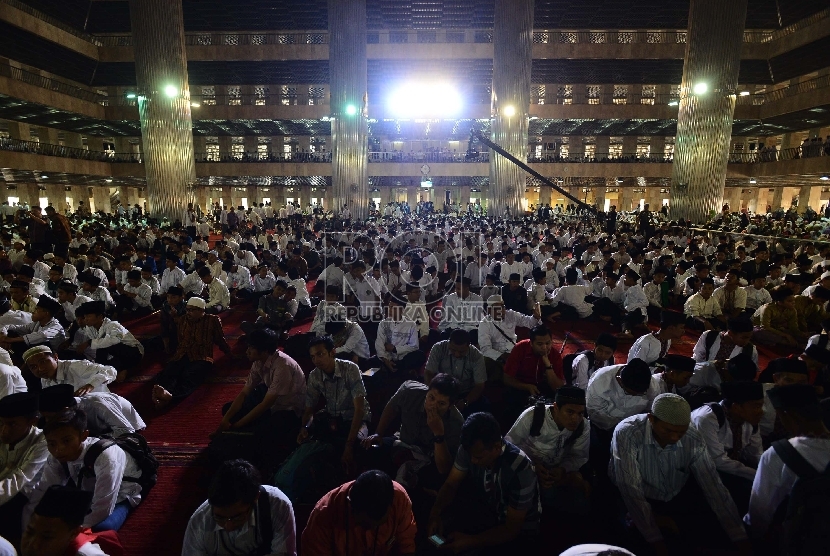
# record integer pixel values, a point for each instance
(241, 516)
(196, 334)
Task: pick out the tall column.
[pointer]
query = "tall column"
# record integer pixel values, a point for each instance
(349, 126)
(512, 56)
(704, 121)
(166, 126)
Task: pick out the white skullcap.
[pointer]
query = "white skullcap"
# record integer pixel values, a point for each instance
(35, 350)
(596, 549)
(196, 302)
(495, 298)
(672, 409)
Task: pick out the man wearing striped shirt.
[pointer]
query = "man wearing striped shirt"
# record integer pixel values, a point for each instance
(653, 458)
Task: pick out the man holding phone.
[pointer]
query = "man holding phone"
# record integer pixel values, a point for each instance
(503, 504)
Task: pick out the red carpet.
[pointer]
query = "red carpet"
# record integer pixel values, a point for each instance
(180, 435)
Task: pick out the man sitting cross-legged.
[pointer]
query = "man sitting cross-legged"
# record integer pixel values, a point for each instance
(557, 442)
(233, 516)
(273, 398)
(108, 341)
(430, 431)
(43, 330)
(397, 344)
(497, 333)
(340, 384)
(196, 332)
(499, 510)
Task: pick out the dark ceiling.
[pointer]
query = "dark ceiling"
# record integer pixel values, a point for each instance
(221, 15)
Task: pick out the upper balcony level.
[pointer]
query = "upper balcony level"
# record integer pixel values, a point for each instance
(44, 160)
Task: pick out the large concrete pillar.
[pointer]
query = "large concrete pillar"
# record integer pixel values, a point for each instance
(512, 56)
(349, 126)
(704, 121)
(164, 105)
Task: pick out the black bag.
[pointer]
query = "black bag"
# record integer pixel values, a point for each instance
(712, 335)
(698, 396)
(539, 409)
(568, 362)
(133, 444)
(805, 528)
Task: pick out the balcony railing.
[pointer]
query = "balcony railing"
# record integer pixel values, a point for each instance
(295, 158)
(810, 150)
(563, 36)
(233, 39)
(429, 157)
(264, 99)
(52, 84)
(51, 21)
(795, 89)
(603, 158)
(605, 99)
(35, 147)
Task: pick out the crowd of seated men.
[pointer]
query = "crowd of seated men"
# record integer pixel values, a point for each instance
(450, 325)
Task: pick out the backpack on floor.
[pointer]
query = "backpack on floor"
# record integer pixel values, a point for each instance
(309, 472)
(805, 527)
(136, 446)
(568, 364)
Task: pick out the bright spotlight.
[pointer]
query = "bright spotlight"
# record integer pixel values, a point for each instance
(108, 180)
(753, 180)
(417, 100)
(171, 91)
(351, 110)
(673, 103)
(824, 178)
(744, 93)
(700, 88)
(44, 176)
(509, 111)
(195, 104)
(130, 95)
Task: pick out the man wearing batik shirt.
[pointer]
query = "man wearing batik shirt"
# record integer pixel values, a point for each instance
(197, 333)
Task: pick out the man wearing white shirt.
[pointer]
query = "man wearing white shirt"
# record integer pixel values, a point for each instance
(800, 412)
(510, 266)
(173, 275)
(558, 448)
(614, 393)
(714, 349)
(733, 440)
(756, 294)
(462, 310)
(573, 295)
(212, 525)
(497, 332)
(216, 294)
(397, 344)
(239, 279)
(113, 497)
(702, 309)
(23, 454)
(654, 346)
(84, 375)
